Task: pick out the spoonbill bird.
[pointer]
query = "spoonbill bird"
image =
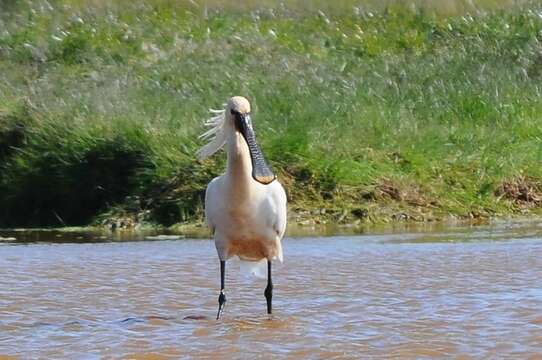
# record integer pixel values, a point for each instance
(245, 208)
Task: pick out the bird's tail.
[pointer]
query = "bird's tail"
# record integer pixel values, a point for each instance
(253, 268)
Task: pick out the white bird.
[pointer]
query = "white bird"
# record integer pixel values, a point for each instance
(245, 208)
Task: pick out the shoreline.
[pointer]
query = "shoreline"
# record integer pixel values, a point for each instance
(198, 230)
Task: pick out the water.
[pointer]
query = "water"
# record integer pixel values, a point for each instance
(474, 293)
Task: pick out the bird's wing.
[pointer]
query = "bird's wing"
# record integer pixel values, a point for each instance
(211, 194)
(279, 196)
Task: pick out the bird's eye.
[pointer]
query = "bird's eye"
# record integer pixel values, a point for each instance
(233, 112)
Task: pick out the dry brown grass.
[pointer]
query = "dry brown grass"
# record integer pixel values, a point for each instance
(411, 194)
(522, 190)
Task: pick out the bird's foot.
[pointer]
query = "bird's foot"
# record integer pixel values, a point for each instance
(221, 303)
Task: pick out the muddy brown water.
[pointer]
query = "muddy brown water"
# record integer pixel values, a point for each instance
(467, 293)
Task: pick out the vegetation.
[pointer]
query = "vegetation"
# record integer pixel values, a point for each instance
(367, 112)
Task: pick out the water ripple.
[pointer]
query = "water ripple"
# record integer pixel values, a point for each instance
(345, 297)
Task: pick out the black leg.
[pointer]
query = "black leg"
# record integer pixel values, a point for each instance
(222, 296)
(269, 289)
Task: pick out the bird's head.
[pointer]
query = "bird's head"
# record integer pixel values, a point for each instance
(238, 113)
(237, 104)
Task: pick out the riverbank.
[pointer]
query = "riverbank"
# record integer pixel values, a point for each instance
(523, 227)
(369, 115)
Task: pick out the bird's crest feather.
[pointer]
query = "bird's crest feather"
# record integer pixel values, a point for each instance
(216, 134)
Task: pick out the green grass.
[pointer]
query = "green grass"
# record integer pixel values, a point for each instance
(373, 112)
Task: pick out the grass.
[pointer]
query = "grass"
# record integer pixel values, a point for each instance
(372, 112)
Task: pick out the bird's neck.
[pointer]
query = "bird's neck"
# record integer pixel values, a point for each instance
(239, 168)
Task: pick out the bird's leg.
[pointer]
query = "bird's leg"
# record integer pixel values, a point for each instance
(269, 289)
(222, 296)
